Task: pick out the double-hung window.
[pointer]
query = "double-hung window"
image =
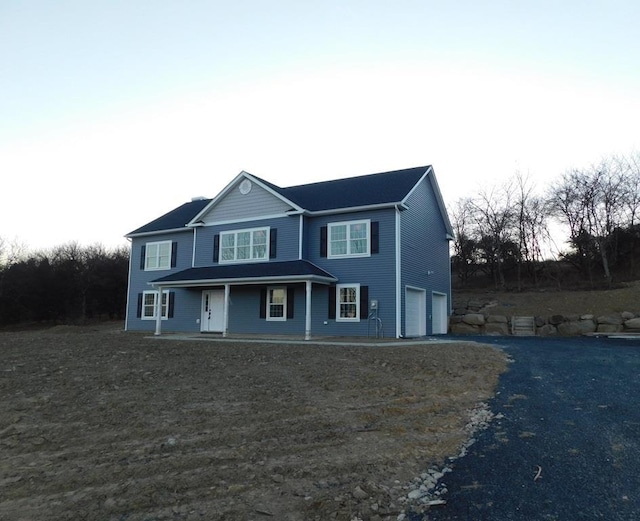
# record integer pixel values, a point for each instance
(277, 303)
(157, 255)
(149, 305)
(349, 239)
(244, 245)
(348, 302)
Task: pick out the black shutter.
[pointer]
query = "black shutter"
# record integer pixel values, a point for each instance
(273, 239)
(364, 302)
(323, 242)
(290, 302)
(143, 254)
(174, 253)
(172, 302)
(332, 302)
(139, 312)
(263, 303)
(216, 248)
(375, 237)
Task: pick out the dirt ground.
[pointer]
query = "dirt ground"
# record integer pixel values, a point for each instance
(99, 424)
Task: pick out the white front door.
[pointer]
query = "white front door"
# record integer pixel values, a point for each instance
(212, 318)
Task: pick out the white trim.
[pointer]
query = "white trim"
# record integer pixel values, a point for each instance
(300, 236)
(126, 310)
(251, 231)
(231, 186)
(348, 225)
(239, 221)
(415, 186)
(352, 209)
(246, 280)
(156, 232)
(283, 318)
(307, 315)
(193, 249)
(356, 318)
(157, 257)
(154, 292)
(398, 277)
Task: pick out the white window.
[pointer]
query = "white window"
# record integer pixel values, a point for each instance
(149, 305)
(244, 245)
(158, 256)
(348, 302)
(349, 239)
(277, 303)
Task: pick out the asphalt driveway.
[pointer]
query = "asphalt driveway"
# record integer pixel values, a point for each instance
(567, 446)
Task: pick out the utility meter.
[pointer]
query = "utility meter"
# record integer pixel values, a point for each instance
(374, 304)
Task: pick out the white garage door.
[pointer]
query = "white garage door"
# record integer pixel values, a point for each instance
(439, 322)
(415, 322)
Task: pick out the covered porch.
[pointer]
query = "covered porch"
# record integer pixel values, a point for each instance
(267, 274)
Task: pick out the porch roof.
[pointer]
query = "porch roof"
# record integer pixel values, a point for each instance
(250, 273)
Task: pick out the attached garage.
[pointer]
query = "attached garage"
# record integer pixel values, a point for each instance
(416, 312)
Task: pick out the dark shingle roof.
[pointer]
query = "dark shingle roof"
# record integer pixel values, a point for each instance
(298, 269)
(366, 190)
(175, 219)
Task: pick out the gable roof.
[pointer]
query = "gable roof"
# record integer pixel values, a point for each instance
(176, 219)
(385, 188)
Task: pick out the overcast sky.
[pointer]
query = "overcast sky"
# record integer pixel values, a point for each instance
(115, 112)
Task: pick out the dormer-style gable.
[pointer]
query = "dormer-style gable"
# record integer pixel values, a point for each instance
(246, 198)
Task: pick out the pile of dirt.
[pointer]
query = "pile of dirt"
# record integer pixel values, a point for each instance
(102, 426)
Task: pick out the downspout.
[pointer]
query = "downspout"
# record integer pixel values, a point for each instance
(398, 277)
(300, 236)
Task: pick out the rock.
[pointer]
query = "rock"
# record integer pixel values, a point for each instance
(497, 319)
(277, 478)
(586, 326)
(568, 329)
(474, 319)
(455, 319)
(627, 315)
(464, 329)
(496, 329)
(540, 321)
(632, 323)
(611, 320)
(547, 330)
(556, 319)
(587, 317)
(609, 328)
(475, 305)
(415, 494)
(358, 493)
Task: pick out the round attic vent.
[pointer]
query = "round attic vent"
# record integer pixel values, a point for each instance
(245, 187)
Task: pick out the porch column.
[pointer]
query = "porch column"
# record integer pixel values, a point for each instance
(307, 318)
(225, 313)
(159, 311)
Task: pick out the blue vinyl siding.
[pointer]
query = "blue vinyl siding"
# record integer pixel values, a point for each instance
(425, 248)
(139, 279)
(287, 242)
(378, 272)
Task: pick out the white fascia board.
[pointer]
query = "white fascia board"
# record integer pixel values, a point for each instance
(157, 232)
(415, 186)
(229, 187)
(245, 219)
(352, 209)
(245, 280)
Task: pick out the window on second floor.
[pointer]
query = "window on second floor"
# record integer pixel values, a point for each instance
(349, 239)
(244, 245)
(157, 255)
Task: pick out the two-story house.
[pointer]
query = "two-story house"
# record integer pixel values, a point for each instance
(360, 256)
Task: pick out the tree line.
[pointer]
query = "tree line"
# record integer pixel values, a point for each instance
(504, 238)
(66, 284)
